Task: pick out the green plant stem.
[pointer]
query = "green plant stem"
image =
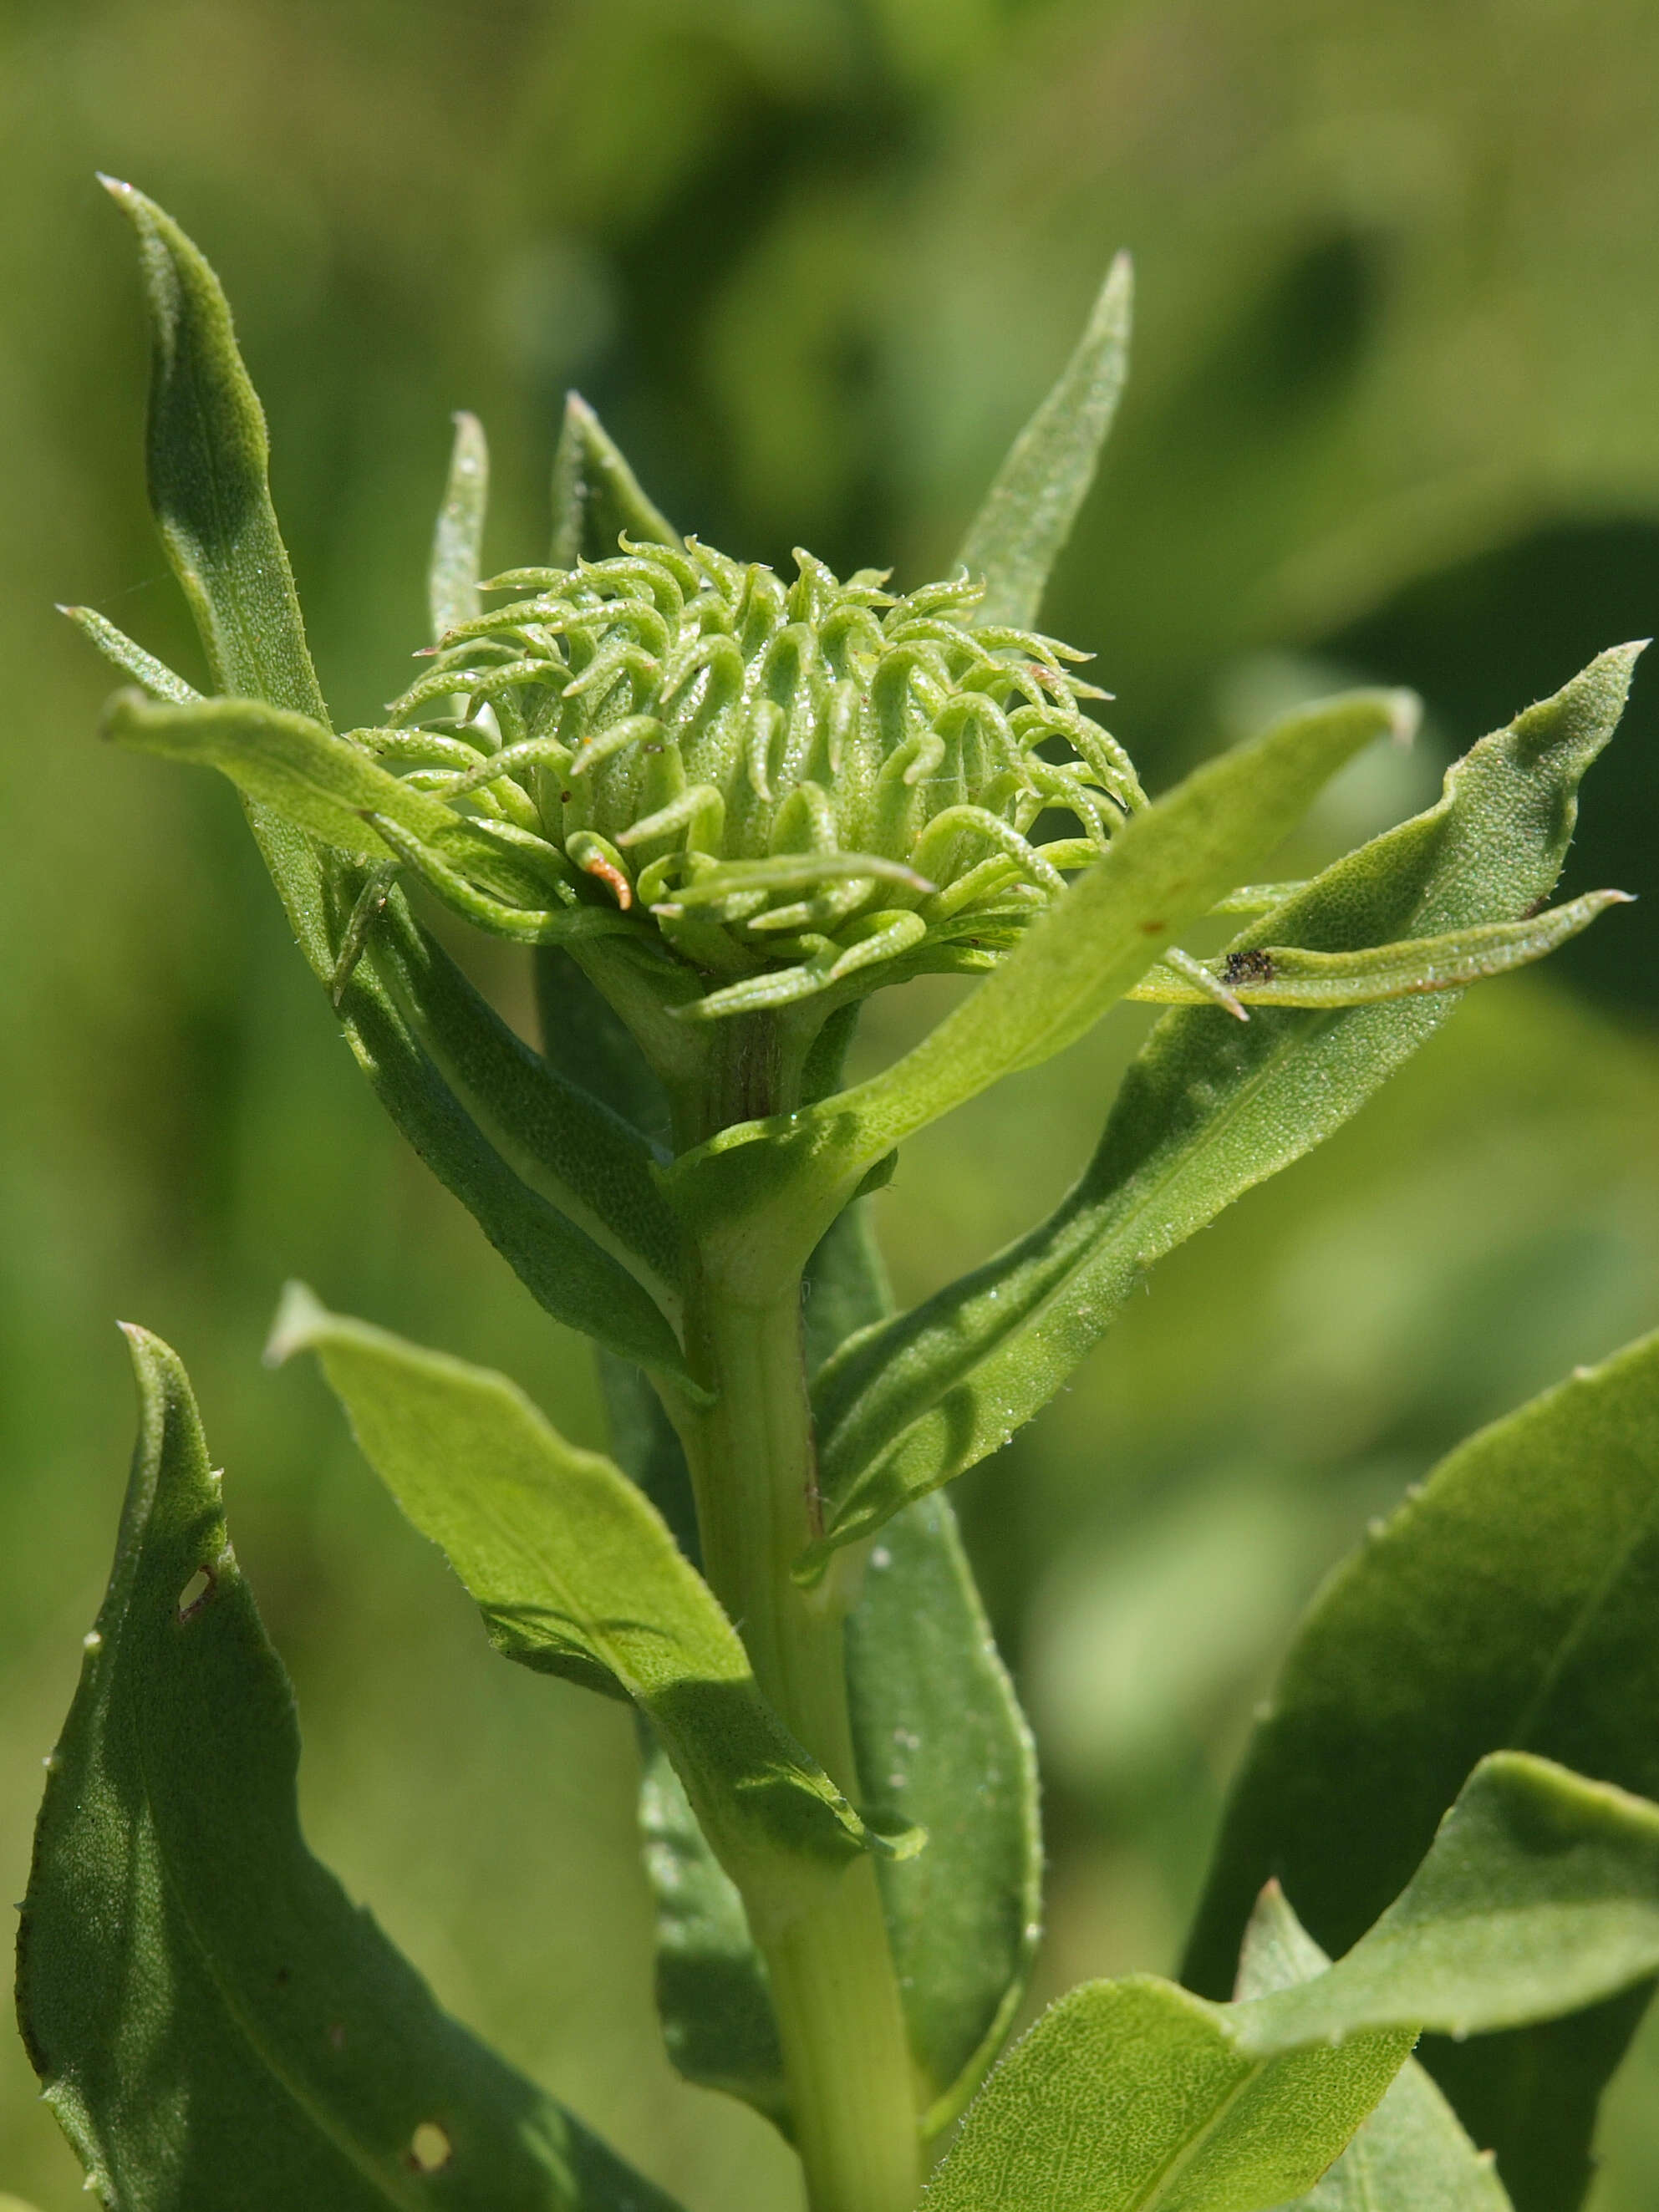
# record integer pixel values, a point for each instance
(820, 1928)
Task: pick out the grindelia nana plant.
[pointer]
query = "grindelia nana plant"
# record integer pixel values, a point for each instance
(722, 808)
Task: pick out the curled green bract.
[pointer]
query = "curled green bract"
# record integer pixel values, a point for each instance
(787, 785)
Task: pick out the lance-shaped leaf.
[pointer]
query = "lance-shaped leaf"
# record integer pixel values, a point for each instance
(208, 455)
(713, 1995)
(577, 1574)
(1287, 975)
(1211, 1107)
(1541, 1888)
(940, 1737)
(1412, 2152)
(1540, 1893)
(212, 2018)
(1511, 1601)
(1132, 2095)
(212, 504)
(1015, 537)
(555, 1135)
(596, 495)
(333, 789)
(152, 675)
(1166, 866)
(209, 494)
(452, 573)
(939, 1734)
(592, 1168)
(573, 1276)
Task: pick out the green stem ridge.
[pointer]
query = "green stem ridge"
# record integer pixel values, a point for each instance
(753, 1461)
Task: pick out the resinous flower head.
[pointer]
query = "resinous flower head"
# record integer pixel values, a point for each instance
(787, 786)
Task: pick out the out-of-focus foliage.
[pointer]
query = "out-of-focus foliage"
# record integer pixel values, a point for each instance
(1390, 416)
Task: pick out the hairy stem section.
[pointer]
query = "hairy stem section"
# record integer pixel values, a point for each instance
(820, 1928)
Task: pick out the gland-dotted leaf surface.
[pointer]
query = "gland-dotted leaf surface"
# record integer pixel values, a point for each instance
(1540, 1889)
(1540, 1893)
(1210, 1108)
(1132, 2094)
(1412, 2152)
(213, 2019)
(1512, 1600)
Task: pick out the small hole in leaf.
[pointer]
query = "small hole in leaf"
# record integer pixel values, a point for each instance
(195, 1594)
(429, 2148)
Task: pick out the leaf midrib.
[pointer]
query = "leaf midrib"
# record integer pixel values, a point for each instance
(1573, 1636)
(388, 2186)
(1097, 1247)
(1182, 2160)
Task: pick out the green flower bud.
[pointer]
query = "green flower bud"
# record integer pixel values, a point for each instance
(787, 786)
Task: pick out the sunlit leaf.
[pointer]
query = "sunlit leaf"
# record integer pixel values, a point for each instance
(1412, 2152)
(212, 2018)
(1540, 1893)
(451, 579)
(296, 768)
(1539, 1888)
(1015, 537)
(1133, 2094)
(208, 486)
(1211, 1107)
(208, 455)
(153, 675)
(1511, 1602)
(576, 1574)
(1286, 975)
(1166, 866)
(596, 495)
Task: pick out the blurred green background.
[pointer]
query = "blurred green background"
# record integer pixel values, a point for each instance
(1394, 413)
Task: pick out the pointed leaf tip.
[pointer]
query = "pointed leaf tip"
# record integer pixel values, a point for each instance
(300, 1319)
(1026, 516)
(1406, 716)
(146, 1349)
(171, 1886)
